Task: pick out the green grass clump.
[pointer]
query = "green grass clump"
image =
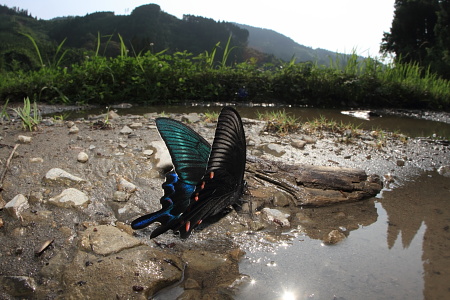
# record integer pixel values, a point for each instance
(29, 115)
(211, 116)
(280, 122)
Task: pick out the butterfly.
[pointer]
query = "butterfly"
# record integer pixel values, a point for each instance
(189, 152)
(220, 186)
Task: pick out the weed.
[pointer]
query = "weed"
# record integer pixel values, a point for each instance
(211, 116)
(30, 116)
(280, 122)
(4, 113)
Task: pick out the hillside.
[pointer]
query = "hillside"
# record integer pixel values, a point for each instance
(283, 47)
(147, 28)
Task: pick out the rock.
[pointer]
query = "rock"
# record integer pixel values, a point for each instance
(59, 176)
(24, 139)
(113, 115)
(136, 125)
(136, 273)
(444, 171)
(308, 139)
(35, 197)
(74, 130)
(191, 118)
(276, 216)
(70, 124)
(70, 198)
(82, 157)
(280, 199)
(106, 239)
(334, 237)
(121, 196)
(148, 152)
(17, 205)
(191, 284)
(400, 162)
(299, 144)
(274, 149)
(126, 130)
(36, 160)
(18, 286)
(162, 155)
(1, 223)
(125, 185)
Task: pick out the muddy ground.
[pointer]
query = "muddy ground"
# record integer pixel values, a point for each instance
(64, 251)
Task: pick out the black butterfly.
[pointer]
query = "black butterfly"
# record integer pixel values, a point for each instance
(222, 183)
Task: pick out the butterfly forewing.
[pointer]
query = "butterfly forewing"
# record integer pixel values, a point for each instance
(189, 152)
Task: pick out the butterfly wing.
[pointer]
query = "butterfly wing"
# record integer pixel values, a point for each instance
(223, 182)
(189, 152)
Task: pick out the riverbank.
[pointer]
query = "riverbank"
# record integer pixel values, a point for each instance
(67, 248)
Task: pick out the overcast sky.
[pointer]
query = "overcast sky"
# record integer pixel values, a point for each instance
(335, 25)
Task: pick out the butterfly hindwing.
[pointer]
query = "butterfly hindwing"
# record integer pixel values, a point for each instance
(223, 182)
(189, 152)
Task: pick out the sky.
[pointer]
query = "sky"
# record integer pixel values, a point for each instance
(336, 25)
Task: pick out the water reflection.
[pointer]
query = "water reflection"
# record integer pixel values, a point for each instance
(397, 248)
(410, 208)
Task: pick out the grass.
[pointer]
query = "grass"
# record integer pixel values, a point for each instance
(211, 116)
(280, 122)
(4, 113)
(29, 114)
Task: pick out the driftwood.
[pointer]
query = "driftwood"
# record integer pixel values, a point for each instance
(311, 185)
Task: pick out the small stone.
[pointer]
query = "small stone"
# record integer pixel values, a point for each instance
(2, 202)
(347, 157)
(123, 145)
(162, 155)
(276, 216)
(74, 130)
(106, 239)
(308, 139)
(113, 115)
(334, 237)
(274, 149)
(126, 130)
(36, 160)
(299, 144)
(444, 171)
(148, 152)
(136, 125)
(191, 118)
(57, 175)
(35, 197)
(70, 198)
(82, 157)
(70, 124)
(24, 139)
(125, 185)
(400, 162)
(280, 199)
(121, 196)
(1, 223)
(18, 286)
(17, 205)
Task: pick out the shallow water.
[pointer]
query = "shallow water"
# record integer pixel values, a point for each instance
(411, 127)
(402, 255)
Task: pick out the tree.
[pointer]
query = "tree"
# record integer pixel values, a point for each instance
(420, 33)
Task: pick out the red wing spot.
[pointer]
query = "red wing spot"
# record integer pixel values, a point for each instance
(188, 225)
(196, 197)
(211, 175)
(199, 222)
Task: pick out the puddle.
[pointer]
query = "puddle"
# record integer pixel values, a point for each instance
(402, 255)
